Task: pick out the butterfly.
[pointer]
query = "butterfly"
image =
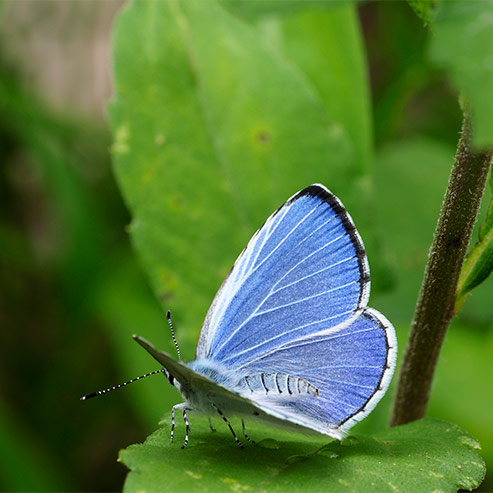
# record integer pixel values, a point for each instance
(289, 339)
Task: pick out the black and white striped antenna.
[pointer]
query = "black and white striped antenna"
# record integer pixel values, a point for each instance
(162, 370)
(120, 385)
(168, 316)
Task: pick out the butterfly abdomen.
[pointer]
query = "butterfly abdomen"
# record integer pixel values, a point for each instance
(278, 384)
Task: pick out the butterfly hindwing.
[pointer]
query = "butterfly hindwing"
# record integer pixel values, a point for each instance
(350, 366)
(303, 271)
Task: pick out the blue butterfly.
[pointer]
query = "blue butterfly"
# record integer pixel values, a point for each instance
(289, 338)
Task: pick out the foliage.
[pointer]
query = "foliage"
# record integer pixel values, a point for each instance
(246, 153)
(65, 266)
(462, 44)
(427, 455)
(424, 9)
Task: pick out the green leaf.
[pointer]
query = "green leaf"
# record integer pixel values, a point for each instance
(466, 364)
(462, 44)
(311, 33)
(479, 263)
(427, 455)
(424, 10)
(313, 40)
(213, 130)
(253, 10)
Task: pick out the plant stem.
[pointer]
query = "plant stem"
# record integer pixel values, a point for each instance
(435, 306)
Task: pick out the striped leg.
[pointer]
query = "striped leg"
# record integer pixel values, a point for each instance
(210, 425)
(173, 422)
(245, 433)
(187, 427)
(229, 425)
(173, 418)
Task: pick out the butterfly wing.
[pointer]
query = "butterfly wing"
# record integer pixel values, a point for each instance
(350, 365)
(304, 270)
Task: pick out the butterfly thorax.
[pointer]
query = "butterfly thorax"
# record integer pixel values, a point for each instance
(215, 371)
(202, 399)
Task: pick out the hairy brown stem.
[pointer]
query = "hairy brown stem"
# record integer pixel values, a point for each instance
(435, 306)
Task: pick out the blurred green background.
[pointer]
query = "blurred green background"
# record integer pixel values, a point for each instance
(73, 290)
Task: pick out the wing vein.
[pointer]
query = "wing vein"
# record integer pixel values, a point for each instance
(304, 259)
(279, 336)
(313, 296)
(310, 275)
(301, 221)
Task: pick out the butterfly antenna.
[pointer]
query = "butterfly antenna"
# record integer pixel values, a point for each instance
(168, 316)
(119, 386)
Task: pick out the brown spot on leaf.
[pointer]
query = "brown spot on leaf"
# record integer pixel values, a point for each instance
(263, 137)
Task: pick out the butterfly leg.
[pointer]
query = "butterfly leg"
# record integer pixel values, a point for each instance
(187, 427)
(173, 418)
(210, 425)
(229, 425)
(173, 422)
(245, 433)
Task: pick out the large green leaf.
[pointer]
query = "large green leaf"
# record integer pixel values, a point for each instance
(313, 40)
(254, 10)
(427, 455)
(311, 34)
(463, 44)
(213, 130)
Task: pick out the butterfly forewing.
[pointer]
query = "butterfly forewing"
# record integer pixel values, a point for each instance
(305, 270)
